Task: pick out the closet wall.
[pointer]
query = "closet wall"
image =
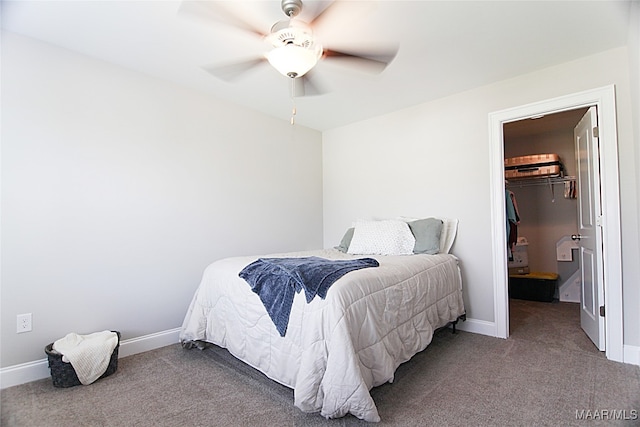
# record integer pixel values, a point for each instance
(545, 214)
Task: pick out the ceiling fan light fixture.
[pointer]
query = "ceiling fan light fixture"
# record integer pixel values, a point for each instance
(293, 61)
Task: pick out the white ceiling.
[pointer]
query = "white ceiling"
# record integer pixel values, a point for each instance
(445, 47)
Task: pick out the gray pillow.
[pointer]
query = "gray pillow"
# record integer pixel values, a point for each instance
(427, 233)
(346, 240)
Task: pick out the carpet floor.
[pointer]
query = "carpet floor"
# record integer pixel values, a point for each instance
(547, 373)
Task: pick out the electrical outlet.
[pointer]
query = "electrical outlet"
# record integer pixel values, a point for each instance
(24, 323)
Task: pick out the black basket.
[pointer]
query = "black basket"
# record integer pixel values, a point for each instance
(64, 375)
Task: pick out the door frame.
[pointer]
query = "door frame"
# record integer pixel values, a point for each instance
(604, 99)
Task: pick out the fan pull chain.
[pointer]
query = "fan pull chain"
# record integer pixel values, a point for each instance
(293, 101)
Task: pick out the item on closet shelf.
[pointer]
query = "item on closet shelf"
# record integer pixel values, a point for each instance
(570, 190)
(570, 290)
(535, 286)
(564, 248)
(520, 254)
(533, 166)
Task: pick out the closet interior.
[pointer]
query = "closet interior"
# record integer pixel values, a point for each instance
(542, 257)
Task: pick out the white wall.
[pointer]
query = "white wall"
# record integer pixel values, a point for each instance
(433, 159)
(118, 189)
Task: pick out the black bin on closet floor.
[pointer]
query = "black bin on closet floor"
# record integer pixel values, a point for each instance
(535, 286)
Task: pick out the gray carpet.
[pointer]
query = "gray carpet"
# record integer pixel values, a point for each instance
(545, 372)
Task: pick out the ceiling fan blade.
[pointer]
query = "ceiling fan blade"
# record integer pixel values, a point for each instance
(373, 61)
(232, 71)
(309, 85)
(337, 10)
(214, 12)
(323, 14)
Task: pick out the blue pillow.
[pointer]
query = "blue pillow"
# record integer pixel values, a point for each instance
(346, 241)
(427, 233)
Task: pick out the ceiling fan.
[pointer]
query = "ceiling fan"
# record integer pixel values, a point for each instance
(293, 48)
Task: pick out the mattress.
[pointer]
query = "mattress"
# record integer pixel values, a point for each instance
(335, 349)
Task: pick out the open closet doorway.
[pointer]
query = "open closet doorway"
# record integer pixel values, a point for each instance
(545, 278)
(609, 221)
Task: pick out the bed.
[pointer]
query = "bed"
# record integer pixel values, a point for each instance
(337, 348)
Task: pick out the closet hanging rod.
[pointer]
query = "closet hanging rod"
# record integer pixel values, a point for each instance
(527, 182)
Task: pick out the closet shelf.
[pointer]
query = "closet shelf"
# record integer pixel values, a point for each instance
(527, 182)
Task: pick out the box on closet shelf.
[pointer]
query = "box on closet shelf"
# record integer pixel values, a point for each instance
(533, 166)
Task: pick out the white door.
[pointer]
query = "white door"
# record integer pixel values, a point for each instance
(589, 237)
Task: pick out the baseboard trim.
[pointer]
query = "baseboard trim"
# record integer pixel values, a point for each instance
(24, 373)
(148, 342)
(476, 326)
(39, 369)
(631, 354)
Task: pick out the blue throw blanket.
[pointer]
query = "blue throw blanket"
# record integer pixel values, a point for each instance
(276, 280)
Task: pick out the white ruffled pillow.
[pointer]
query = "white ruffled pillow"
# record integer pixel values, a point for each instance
(448, 236)
(387, 237)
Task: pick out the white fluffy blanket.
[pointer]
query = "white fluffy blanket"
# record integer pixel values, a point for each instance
(88, 354)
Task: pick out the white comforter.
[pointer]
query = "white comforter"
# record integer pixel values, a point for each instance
(335, 350)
